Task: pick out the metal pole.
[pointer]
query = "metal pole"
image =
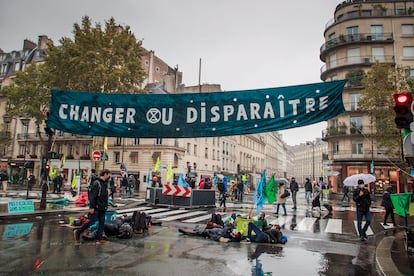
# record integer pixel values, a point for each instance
(199, 76)
(313, 161)
(46, 175)
(24, 165)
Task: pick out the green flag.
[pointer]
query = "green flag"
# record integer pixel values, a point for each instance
(401, 203)
(271, 190)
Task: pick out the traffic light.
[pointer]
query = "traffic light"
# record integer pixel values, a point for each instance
(402, 108)
(47, 168)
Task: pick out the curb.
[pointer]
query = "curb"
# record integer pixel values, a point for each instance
(383, 258)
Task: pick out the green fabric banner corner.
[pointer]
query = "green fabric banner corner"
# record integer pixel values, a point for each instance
(401, 203)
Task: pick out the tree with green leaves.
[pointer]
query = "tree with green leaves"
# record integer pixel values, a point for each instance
(380, 83)
(96, 60)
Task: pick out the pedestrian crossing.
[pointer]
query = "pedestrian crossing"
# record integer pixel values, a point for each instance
(297, 223)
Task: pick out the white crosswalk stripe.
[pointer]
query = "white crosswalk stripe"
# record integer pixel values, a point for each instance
(185, 215)
(306, 224)
(334, 226)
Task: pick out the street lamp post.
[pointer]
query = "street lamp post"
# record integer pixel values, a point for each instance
(25, 122)
(313, 158)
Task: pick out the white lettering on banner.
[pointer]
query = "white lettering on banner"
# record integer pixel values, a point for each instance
(97, 114)
(213, 114)
(252, 112)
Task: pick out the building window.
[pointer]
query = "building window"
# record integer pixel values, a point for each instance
(59, 149)
(353, 33)
(354, 56)
(335, 148)
(86, 149)
(71, 150)
(206, 153)
(408, 52)
(158, 141)
(136, 141)
(407, 29)
(332, 61)
(410, 73)
(117, 156)
(188, 148)
(353, 101)
(378, 54)
(376, 32)
(118, 141)
(356, 125)
(195, 150)
(357, 148)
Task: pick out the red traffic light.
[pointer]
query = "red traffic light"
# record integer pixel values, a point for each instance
(403, 109)
(402, 98)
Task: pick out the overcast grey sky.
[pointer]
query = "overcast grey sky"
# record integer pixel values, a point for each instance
(242, 44)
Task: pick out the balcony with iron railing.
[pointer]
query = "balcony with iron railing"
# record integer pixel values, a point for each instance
(34, 136)
(345, 131)
(363, 38)
(352, 62)
(367, 12)
(364, 155)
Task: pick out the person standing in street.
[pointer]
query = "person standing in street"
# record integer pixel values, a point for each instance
(362, 198)
(389, 207)
(308, 190)
(281, 200)
(346, 194)
(294, 188)
(98, 203)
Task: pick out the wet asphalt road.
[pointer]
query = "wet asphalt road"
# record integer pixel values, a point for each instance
(44, 246)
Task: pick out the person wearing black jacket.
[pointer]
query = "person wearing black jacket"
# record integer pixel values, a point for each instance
(362, 199)
(388, 206)
(308, 190)
(294, 188)
(98, 203)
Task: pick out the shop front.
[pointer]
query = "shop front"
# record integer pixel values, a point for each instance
(19, 171)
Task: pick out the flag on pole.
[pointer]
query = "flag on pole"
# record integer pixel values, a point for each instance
(401, 203)
(62, 161)
(73, 185)
(259, 194)
(169, 172)
(157, 165)
(105, 143)
(149, 177)
(181, 181)
(271, 190)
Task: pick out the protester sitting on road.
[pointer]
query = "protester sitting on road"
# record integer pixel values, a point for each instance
(261, 222)
(273, 235)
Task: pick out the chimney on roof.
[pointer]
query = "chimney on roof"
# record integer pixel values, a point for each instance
(43, 41)
(28, 45)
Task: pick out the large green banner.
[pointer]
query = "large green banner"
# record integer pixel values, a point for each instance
(195, 114)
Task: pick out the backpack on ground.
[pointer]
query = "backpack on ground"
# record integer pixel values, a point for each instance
(125, 231)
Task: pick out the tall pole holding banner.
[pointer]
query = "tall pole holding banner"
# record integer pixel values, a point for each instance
(47, 150)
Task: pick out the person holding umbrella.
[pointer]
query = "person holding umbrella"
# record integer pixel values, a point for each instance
(362, 199)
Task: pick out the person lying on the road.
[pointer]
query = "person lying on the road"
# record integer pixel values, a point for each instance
(273, 235)
(224, 234)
